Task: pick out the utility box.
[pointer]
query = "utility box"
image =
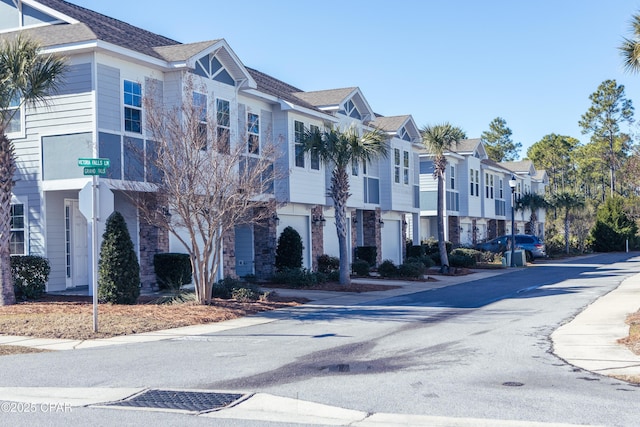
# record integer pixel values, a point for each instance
(519, 258)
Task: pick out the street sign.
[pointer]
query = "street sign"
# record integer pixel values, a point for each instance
(95, 171)
(104, 163)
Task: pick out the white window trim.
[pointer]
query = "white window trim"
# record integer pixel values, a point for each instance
(133, 107)
(25, 229)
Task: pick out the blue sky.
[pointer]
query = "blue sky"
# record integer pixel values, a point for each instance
(533, 63)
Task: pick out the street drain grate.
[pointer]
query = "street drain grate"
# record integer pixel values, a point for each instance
(179, 400)
(512, 384)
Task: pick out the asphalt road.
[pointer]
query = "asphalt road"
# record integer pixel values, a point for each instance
(479, 349)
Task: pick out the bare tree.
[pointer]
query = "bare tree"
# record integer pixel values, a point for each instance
(200, 184)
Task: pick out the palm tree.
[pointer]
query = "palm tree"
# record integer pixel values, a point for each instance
(567, 202)
(630, 47)
(532, 201)
(438, 139)
(338, 149)
(26, 78)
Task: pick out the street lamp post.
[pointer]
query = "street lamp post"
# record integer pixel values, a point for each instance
(512, 184)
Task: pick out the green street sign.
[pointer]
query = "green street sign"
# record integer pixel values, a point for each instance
(95, 171)
(101, 163)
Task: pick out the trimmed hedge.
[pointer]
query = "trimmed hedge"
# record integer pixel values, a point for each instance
(360, 267)
(328, 264)
(172, 270)
(367, 253)
(30, 274)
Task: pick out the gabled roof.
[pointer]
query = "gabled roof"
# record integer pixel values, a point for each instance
(393, 125)
(521, 167)
(469, 147)
(108, 29)
(278, 88)
(333, 99)
(326, 98)
(75, 24)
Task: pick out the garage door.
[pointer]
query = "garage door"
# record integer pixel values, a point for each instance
(391, 241)
(301, 225)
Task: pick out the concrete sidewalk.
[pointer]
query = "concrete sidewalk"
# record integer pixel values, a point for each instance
(590, 340)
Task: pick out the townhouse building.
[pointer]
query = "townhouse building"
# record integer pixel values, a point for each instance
(478, 196)
(99, 113)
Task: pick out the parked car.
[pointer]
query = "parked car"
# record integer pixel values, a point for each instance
(532, 245)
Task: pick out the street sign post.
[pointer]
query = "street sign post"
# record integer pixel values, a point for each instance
(94, 167)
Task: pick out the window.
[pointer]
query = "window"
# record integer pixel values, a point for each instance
(200, 108)
(452, 177)
(491, 186)
(471, 182)
(223, 126)
(405, 171)
(17, 245)
(501, 188)
(315, 156)
(396, 165)
(488, 185)
(15, 124)
(132, 107)
(355, 167)
(351, 110)
(477, 182)
(404, 135)
(253, 133)
(298, 135)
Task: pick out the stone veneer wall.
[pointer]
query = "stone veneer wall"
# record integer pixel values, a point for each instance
(454, 229)
(153, 240)
(229, 253)
(264, 248)
(317, 235)
(371, 233)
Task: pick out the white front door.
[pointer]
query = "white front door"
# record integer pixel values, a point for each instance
(76, 245)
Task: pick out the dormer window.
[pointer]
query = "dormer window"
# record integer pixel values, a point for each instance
(404, 135)
(209, 67)
(351, 110)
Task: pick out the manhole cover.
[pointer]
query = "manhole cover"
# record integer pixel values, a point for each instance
(512, 384)
(180, 400)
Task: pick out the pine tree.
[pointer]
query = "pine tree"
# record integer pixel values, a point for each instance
(118, 268)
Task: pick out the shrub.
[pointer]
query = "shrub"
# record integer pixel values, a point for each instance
(360, 267)
(431, 247)
(414, 251)
(245, 294)
(289, 250)
(118, 268)
(476, 255)
(414, 270)
(388, 269)
(613, 226)
(172, 270)
(328, 264)
(461, 260)
(298, 277)
(30, 274)
(367, 253)
(424, 260)
(229, 287)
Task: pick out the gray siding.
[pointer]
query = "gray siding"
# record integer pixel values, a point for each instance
(280, 139)
(109, 104)
(77, 79)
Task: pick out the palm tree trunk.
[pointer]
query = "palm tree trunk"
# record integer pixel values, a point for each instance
(442, 246)
(340, 194)
(7, 170)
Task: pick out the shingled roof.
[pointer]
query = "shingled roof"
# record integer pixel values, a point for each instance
(278, 88)
(102, 27)
(323, 98)
(389, 124)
